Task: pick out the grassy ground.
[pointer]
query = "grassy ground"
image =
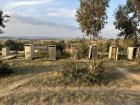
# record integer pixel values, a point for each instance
(38, 83)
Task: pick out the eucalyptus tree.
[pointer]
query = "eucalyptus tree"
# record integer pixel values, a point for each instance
(127, 21)
(3, 19)
(136, 4)
(92, 16)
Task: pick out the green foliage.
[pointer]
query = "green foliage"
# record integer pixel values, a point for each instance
(60, 45)
(63, 54)
(41, 54)
(5, 69)
(83, 50)
(1, 46)
(14, 45)
(87, 74)
(104, 47)
(127, 21)
(130, 43)
(3, 19)
(108, 44)
(136, 4)
(91, 16)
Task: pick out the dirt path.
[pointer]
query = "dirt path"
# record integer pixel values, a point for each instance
(129, 75)
(8, 90)
(11, 88)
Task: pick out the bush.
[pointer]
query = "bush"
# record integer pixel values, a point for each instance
(87, 74)
(14, 45)
(41, 54)
(107, 46)
(63, 54)
(83, 50)
(1, 46)
(60, 45)
(5, 69)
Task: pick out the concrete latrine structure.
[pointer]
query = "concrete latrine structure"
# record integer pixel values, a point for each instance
(5, 52)
(29, 51)
(113, 53)
(133, 53)
(52, 52)
(93, 52)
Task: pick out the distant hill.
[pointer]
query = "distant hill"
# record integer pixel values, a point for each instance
(35, 38)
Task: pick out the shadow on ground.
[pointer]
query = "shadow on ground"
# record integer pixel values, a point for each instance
(112, 75)
(22, 67)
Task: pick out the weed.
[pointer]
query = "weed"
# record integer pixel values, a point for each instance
(88, 73)
(5, 69)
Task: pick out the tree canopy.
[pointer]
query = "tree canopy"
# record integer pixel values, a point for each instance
(91, 16)
(136, 4)
(127, 21)
(3, 19)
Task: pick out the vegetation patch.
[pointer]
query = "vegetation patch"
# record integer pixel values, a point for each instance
(77, 97)
(87, 74)
(5, 69)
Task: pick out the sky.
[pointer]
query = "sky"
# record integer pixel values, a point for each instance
(50, 18)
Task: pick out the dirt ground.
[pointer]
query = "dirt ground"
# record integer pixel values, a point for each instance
(33, 84)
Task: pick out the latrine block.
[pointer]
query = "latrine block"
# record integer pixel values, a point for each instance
(52, 52)
(113, 53)
(93, 52)
(133, 53)
(5, 51)
(29, 51)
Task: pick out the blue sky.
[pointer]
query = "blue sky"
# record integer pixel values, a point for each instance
(53, 18)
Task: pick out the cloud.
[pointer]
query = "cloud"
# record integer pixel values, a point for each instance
(62, 12)
(15, 4)
(40, 21)
(46, 17)
(49, 30)
(109, 31)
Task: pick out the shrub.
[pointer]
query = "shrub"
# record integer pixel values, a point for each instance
(14, 45)
(88, 73)
(41, 54)
(63, 54)
(83, 50)
(5, 69)
(1, 46)
(60, 45)
(107, 46)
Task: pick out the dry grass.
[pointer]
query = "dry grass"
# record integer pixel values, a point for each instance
(38, 83)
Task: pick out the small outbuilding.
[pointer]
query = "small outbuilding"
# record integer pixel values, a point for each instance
(52, 52)
(5, 52)
(93, 52)
(113, 53)
(29, 51)
(133, 53)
